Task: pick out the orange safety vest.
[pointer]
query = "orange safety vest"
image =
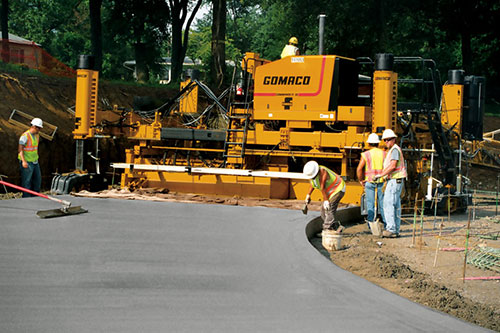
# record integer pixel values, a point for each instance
(374, 163)
(334, 183)
(30, 150)
(400, 171)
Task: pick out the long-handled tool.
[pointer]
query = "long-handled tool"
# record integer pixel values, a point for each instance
(65, 210)
(307, 201)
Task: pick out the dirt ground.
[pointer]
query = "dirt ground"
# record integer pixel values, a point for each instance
(53, 99)
(411, 267)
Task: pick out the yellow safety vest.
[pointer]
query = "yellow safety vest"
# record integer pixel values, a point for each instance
(334, 183)
(374, 163)
(289, 50)
(400, 171)
(30, 150)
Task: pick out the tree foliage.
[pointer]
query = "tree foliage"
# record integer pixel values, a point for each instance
(455, 33)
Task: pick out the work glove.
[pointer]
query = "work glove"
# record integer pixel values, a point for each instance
(308, 199)
(326, 205)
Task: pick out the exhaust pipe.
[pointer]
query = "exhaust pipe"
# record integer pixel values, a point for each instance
(321, 32)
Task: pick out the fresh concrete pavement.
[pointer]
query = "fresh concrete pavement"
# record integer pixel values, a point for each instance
(142, 266)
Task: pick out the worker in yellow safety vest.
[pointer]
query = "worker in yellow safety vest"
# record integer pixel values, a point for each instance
(31, 177)
(332, 186)
(371, 164)
(291, 48)
(395, 169)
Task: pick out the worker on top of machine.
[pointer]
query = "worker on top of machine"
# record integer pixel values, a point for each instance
(395, 169)
(291, 49)
(31, 177)
(372, 164)
(332, 186)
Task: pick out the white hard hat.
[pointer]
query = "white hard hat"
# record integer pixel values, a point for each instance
(37, 122)
(388, 134)
(373, 138)
(311, 169)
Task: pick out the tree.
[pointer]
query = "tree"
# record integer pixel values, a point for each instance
(5, 31)
(218, 42)
(96, 31)
(141, 23)
(467, 20)
(178, 15)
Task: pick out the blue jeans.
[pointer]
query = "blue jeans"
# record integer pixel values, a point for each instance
(31, 178)
(392, 205)
(370, 200)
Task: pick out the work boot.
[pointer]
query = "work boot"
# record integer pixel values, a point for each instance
(336, 226)
(388, 234)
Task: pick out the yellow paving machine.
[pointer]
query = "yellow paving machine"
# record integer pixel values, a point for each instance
(254, 139)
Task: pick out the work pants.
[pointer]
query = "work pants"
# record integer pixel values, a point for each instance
(392, 205)
(328, 215)
(370, 189)
(31, 178)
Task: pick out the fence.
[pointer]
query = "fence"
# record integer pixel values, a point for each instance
(31, 55)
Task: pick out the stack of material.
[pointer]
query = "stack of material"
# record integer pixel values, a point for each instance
(485, 258)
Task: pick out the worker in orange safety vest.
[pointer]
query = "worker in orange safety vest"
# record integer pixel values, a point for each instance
(370, 165)
(332, 186)
(395, 170)
(31, 177)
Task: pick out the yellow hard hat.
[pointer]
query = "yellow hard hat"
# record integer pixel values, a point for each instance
(293, 41)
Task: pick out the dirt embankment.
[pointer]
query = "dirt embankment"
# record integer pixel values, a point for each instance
(49, 99)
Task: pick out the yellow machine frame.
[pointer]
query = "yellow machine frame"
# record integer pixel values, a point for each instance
(300, 108)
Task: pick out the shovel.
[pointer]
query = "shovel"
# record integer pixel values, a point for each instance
(304, 209)
(44, 214)
(375, 227)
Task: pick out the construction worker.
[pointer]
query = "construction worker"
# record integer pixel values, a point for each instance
(372, 164)
(31, 177)
(395, 169)
(332, 186)
(291, 48)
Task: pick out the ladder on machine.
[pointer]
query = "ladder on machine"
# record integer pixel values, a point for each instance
(236, 135)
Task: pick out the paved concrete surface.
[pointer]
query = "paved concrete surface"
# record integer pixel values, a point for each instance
(139, 266)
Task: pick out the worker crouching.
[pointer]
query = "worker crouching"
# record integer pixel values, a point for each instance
(332, 186)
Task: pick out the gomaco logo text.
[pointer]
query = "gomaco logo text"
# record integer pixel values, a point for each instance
(287, 80)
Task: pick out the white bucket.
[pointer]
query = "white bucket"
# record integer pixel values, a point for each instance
(375, 227)
(331, 240)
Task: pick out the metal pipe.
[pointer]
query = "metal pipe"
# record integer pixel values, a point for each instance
(79, 144)
(429, 181)
(321, 32)
(210, 171)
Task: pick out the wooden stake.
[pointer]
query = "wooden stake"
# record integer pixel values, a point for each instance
(414, 220)
(422, 223)
(474, 206)
(435, 207)
(449, 205)
(466, 247)
(496, 204)
(437, 246)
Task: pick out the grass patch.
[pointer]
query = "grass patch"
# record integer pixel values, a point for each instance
(16, 68)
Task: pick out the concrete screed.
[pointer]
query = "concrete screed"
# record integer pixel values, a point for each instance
(141, 266)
